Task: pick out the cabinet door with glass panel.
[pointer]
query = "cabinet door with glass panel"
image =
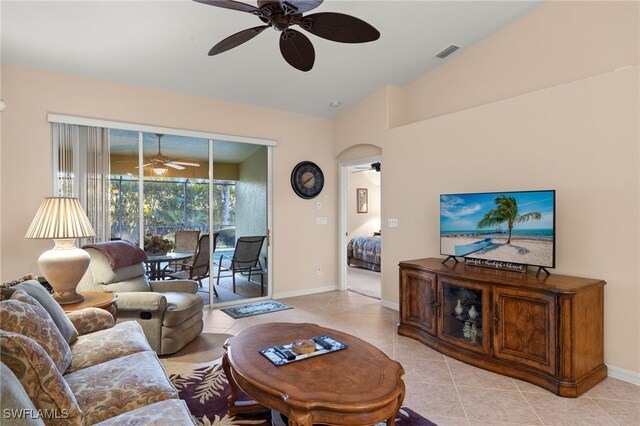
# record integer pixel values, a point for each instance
(464, 314)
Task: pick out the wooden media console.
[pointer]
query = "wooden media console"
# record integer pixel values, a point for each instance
(546, 330)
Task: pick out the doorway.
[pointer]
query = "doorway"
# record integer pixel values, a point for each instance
(360, 227)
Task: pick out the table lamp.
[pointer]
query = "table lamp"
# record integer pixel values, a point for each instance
(62, 219)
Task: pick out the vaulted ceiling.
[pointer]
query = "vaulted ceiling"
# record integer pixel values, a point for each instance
(164, 44)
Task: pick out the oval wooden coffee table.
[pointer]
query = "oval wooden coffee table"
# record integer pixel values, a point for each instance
(359, 385)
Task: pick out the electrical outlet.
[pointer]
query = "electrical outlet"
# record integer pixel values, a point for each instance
(319, 270)
(392, 223)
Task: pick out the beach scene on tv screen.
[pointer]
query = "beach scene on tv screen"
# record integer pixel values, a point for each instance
(513, 227)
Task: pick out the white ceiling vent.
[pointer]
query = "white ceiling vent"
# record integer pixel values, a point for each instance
(448, 51)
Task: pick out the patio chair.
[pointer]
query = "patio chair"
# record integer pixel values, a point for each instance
(246, 261)
(185, 242)
(198, 268)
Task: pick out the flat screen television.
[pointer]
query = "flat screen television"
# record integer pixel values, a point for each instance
(516, 227)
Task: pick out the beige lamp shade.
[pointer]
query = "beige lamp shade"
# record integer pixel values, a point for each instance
(62, 219)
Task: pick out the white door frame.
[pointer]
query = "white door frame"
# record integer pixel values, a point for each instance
(342, 215)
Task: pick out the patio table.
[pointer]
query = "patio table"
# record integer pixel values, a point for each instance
(154, 262)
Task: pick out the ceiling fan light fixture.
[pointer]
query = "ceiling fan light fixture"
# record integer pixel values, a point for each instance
(160, 170)
(296, 49)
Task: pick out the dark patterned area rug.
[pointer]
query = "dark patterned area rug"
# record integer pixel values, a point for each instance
(255, 309)
(205, 389)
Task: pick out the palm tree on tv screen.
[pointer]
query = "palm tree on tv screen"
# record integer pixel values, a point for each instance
(506, 211)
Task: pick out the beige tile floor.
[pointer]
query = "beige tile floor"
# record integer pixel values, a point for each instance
(440, 388)
(363, 281)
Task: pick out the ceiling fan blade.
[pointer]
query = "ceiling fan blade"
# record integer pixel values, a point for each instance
(233, 5)
(297, 50)
(300, 6)
(339, 27)
(236, 39)
(174, 165)
(182, 163)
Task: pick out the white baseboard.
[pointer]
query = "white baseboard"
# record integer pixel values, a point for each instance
(390, 305)
(305, 292)
(624, 375)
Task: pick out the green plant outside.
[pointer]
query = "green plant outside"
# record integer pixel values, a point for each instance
(170, 205)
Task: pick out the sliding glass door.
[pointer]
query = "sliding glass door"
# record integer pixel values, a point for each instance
(240, 217)
(190, 184)
(156, 183)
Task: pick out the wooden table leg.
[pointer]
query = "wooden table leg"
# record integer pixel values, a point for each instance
(235, 406)
(113, 310)
(391, 421)
(297, 418)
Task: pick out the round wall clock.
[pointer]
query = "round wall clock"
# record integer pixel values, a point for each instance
(307, 179)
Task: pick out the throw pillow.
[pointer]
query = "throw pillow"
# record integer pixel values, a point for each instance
(19, 280)
(40, 378)
(38, 292)
(24, 315)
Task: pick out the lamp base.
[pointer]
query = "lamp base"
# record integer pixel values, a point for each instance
(68, 297)
(63, 267)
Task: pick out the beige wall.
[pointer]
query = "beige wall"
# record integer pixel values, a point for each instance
(496, 118)
(359, 152)
(556, 43)
(26, 171)
(580, 139)
(363, 224)
(364, 124)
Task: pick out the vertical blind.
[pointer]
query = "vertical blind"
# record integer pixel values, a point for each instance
(81, 169)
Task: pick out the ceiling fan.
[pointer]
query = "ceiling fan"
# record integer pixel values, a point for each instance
(160, 162)
(373, 166)
(281, 15)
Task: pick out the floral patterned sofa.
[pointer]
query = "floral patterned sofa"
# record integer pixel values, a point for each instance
(80, 368)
